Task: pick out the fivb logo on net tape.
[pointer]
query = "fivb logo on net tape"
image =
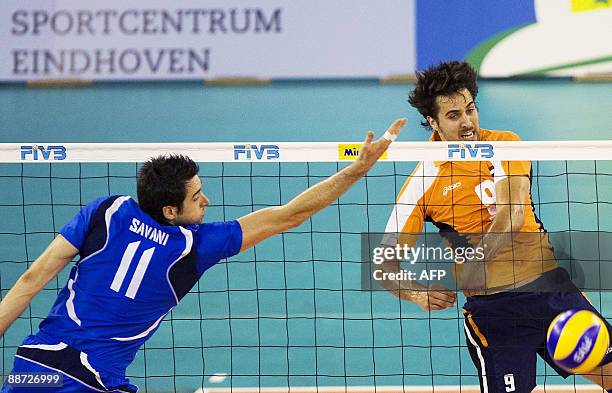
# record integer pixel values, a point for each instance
(43, 153)
(256, 152)
(467, 150)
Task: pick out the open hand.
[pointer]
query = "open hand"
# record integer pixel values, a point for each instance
(370, 151)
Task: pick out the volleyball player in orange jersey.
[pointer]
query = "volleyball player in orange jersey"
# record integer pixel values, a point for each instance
(516, 290)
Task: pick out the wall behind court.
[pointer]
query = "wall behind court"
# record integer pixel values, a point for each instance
(191, 40)
(118, 40)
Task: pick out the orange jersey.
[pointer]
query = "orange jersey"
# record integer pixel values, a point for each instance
(460, 196)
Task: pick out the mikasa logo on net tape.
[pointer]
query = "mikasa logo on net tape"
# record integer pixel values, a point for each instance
(350, 151)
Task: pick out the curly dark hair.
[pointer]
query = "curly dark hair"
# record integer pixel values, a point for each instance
(445, 79)
(161, 182)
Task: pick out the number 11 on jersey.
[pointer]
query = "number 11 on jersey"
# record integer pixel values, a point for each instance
(141, 268)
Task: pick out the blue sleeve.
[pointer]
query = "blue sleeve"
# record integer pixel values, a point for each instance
(216, 241)
(76, 230)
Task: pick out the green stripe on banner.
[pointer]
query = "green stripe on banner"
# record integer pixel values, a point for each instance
(476, 56)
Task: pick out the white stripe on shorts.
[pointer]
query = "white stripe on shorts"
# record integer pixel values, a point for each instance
(485, 387)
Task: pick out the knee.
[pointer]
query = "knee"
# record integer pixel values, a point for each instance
(606, 382)
(606, 377)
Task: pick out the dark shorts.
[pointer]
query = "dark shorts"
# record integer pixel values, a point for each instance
(505, 331)
(68, 384)
(36, 356)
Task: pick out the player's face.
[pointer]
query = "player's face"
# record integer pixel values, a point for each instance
(194, 204)
(457, 118)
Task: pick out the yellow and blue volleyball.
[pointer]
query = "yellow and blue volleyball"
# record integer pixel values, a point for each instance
(577, 340)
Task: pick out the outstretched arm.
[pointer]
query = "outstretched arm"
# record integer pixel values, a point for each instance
(262, 224)
(52, 261)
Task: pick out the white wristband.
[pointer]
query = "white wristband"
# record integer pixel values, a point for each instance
(389, 136)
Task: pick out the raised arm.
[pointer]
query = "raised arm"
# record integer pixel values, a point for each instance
(511, 196)
(52, 261)
(262, 224)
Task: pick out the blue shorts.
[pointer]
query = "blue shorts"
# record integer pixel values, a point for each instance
(505, 331)
(35, 356)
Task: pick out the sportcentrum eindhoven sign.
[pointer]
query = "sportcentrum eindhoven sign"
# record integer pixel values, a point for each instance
(115, 39)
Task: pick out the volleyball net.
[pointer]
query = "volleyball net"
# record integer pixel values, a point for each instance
(292, 314)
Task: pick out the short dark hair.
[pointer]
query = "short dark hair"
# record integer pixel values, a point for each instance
(445, 79)
(161, 182)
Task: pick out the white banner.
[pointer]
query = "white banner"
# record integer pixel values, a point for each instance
(570, 38)
(190, 39)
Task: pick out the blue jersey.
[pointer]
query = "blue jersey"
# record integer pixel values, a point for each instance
(131, 273)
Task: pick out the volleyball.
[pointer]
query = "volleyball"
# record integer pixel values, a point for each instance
(577, 340)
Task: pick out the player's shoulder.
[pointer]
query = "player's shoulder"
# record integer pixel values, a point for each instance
(213, 237)
(119, 207)
(498, 135)
(207, 228)
(108, 200)
(99, 205)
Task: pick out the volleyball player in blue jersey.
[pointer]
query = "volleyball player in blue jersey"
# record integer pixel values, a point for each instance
(137, 260)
